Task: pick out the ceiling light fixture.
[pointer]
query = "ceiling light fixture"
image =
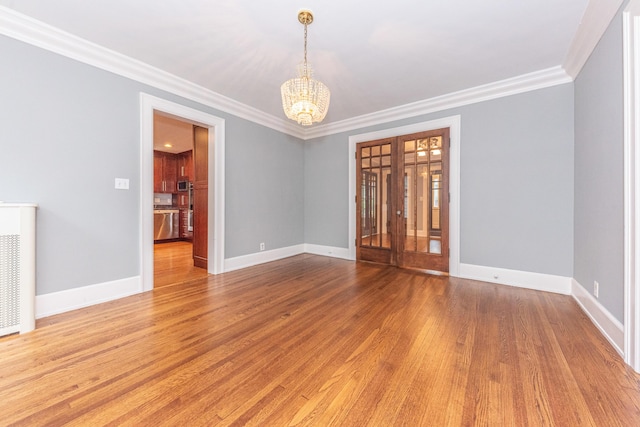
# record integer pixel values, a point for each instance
(305, 99)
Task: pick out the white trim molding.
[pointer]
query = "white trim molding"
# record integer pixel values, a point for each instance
(593, 25)
(597, 17)
(330, 251)
(525, 83)
(244, 261)
(36, 33)
(453, 123)
(73, 299)
(517, 278)
(24, 28)
(631, 53)
(216, 199)
(608, 325)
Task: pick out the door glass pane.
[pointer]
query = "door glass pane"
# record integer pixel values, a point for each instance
(386, 212)
(375, 207)
(410, 146)
(422, 149)
(419, 235)
(410, 243)
(435, 232)
(366, 163)
(386, 149)
(375, 151)
(368, 197)
(435, 148)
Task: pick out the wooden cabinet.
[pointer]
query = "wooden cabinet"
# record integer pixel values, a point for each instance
(185, 166)
(158, 177)
(185, 234)
(164, 172)
(200, 198)
(183, 199)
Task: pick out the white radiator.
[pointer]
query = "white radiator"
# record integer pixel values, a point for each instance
(17, 267)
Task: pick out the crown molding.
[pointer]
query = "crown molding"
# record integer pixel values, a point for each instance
(524, 83)
(595, 21)
(37, 33)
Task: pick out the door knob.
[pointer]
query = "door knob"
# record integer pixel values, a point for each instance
(399, 213)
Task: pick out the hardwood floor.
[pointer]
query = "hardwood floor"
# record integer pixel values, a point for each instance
(317, 341)
(173, 263)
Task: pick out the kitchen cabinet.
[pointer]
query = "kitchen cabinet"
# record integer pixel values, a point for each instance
(185, 166)
(185, 234)
(165, 167)
(183, 199)
(200, 198)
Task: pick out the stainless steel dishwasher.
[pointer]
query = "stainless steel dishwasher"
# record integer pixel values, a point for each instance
(166, 224)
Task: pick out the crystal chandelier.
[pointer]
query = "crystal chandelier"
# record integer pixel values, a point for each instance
(305, 99)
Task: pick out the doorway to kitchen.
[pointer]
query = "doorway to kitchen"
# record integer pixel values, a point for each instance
(402, 212)
(180, 206)
(213, 218)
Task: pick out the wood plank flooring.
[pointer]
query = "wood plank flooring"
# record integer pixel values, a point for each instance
(316, 341)
(173, 263)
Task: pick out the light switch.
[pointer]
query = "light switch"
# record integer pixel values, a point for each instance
(122, 184)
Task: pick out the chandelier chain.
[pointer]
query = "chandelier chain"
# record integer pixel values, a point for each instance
(305, 48)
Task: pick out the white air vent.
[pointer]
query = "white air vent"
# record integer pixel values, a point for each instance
(17, 267)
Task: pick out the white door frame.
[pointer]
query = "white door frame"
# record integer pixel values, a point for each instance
(215, 242)
(453, 123)
(631, 41)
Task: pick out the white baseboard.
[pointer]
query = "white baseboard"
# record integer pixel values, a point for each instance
(244, 261)
(72, 299)
(520, 279)
(327, 251)
(610, 327)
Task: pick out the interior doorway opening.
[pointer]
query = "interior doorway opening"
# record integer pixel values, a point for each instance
(179, 168)
(453, 123)
(214, 217)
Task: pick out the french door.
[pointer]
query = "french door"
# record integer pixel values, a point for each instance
(403, 200)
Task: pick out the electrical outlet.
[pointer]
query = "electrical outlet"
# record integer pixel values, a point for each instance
(596, 288)
(262, 246)
(122, 184)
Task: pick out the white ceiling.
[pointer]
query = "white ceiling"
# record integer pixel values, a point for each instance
(372, 56)
(176, 133)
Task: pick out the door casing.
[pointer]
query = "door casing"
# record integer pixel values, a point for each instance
(453, 123)
(216, 237)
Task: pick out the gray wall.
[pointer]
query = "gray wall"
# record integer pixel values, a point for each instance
(264, 189)
(599, 203)
(68, 129)
(516, 179)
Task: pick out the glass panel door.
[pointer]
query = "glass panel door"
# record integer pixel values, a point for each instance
(423, 244)
(402, 211)
(374, 214)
